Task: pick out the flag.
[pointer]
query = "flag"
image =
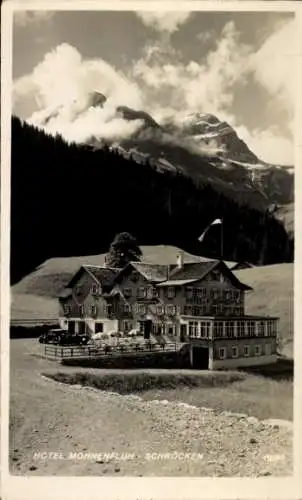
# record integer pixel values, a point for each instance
(216, 221)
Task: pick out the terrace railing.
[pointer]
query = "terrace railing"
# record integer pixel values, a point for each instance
(54, 351)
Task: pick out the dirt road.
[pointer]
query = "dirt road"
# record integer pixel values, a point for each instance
(67, 422)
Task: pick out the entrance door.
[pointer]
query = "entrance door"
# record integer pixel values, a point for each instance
(200, 357)
(183, 333)
(147, 328)
(71, 327)
(82, 327)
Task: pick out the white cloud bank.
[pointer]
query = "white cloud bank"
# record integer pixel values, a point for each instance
(66, 98)
(164, 21)
(26, 17)
(164, 86)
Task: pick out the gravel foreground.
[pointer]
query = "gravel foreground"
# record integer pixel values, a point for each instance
(124, 435)
(64, 430)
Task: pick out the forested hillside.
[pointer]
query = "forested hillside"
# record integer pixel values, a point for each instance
(72, 200)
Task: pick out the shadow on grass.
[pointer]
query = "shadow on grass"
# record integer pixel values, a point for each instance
(283, 369)
(125, 383)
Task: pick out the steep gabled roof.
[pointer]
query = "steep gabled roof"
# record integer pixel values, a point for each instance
(103, 276)
(195, 271)
(155, 273)
(192, 270)
(152, 272)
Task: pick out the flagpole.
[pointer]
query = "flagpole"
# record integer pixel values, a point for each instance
(221, 241)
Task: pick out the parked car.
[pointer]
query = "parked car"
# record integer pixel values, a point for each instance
(59, 336)
(51, 336)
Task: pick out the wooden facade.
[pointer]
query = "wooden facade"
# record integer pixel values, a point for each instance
(199, 304)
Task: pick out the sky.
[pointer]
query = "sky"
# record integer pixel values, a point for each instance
(239, 66)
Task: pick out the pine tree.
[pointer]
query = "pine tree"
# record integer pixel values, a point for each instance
(123, 249)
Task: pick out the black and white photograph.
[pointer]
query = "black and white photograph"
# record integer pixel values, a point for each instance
(152, 242)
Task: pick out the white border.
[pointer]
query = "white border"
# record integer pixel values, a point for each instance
(65, 488)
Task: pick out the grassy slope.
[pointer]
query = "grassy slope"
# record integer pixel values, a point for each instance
(35, 295)
(273, 295)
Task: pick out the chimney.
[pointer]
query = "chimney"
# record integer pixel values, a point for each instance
(168, 271)
(180, 260)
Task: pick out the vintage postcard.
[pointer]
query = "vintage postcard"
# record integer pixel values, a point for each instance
(149, 229)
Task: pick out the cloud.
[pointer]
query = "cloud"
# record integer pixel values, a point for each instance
(273, 65)
(65, 100)
(25, 17)
(164, 21)
(169, 89)
(206, 85)
(268, 145)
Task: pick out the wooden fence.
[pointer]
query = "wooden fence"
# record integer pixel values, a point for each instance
(54, 351)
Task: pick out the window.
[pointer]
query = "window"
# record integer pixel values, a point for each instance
(188, 310)
(193, 328)
(261, 328)
(171, 292)
(222, 352)
(134, 276)
(234, 351)
(170, 309)
(109, 309)
(170, 329)
(237, 311)
(94, 289)
(142, 292)
(204, 329)
(66, 309)
(228, 294)
(127, 308)
(78, 289)
(246, 350)
(268, 349)
(99, 327)
(215, 275)
(240, 328)
(127, 326)
(214, 309)
(196, 311)
(189, 292)
(127, 292)
(215, 293)
(251, 328)
(93, 310)
(141, 309)
(81, 310)
(150, 292)
(220, 308)
(159, 309)
(229, 326)
(257, 350)
(157, 329)
(218, 329)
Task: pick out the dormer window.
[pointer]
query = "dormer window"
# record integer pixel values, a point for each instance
(134, 276)
(95, 289)
(93, 310)
(127, 308)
